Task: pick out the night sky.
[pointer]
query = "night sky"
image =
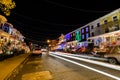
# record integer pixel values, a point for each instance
(39, 20)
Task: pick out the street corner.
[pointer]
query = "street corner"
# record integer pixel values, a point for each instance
(43, 75)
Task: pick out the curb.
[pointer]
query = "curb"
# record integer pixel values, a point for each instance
(13, 74)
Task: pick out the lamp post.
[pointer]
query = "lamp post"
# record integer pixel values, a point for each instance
(49, 43)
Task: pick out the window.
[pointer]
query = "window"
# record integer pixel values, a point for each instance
(105, 22)
(87, 35)
(92, 34)
(73, 33)
(92, 27)
(6, 28)
(82, 30)
(106, 30)
(116, 27)
(86, 29)
(77, 37)
(115, 18)
(99, 32)
(98, 24)
(83, 36)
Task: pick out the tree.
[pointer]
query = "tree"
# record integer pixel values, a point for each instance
(6, 6)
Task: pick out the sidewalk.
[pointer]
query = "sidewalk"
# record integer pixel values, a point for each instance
(11, 65)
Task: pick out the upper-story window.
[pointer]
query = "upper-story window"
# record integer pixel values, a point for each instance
(92, 34)
(98, 24)
(73, 33)
(106, 30)
(86, 29)
(105, 22)
(115, 18)
(82, 30)
(99, 32)
(83, 36)
(87, 35)
(116, 27)
(92, 27)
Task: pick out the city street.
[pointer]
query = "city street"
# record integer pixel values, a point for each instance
(48, 67)
(59, 40)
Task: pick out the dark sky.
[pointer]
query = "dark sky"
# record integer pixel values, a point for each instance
(39, 20)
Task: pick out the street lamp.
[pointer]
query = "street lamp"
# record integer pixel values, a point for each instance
(48, 41)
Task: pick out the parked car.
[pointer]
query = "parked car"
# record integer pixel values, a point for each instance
(113, 55)
(44, 50)
(37, 51)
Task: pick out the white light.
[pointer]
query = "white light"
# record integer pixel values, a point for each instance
(104, 73)
(90, 61)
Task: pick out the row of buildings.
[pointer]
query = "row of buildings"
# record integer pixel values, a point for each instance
(104, 30)
(10, 38)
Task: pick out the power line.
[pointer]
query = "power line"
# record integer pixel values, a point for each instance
(83, 10)
(45, 22)
(33, 33)
(36, 28)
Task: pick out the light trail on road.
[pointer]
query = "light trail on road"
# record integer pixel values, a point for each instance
(85, 56)
(116, 67)
(99, 71)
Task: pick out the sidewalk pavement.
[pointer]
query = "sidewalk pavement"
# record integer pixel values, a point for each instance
(11, 65)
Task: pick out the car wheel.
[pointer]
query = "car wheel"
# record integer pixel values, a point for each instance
(112, 60)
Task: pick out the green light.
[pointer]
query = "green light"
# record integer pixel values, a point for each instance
(78, 36)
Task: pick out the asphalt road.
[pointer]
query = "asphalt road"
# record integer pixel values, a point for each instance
(48, 67)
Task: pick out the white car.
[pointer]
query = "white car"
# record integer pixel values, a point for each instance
(113, 55)
(44, 50)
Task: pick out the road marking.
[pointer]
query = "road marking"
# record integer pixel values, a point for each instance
(104, 73)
